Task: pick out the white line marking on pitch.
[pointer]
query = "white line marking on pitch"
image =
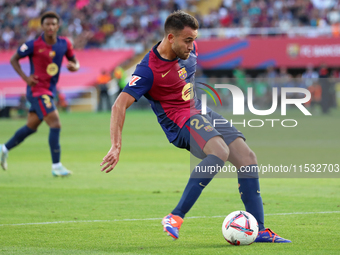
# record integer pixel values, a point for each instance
(192, 217)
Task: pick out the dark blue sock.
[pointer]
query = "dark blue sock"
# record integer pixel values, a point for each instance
(19, 136)
(54, 144)
(197, 182)
(249, 189)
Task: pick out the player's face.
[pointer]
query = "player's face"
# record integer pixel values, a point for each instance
(183, 42)
(50, 26)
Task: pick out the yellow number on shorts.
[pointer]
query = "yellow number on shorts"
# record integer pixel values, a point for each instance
(47, 101)
(195, 122)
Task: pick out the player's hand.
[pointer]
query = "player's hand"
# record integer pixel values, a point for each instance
(72, 67)
(32, 80)
(111, 160)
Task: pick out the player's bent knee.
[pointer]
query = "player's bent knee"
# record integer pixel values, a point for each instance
(248, 158)
(223, 153)
(55, 124)
(32, 126)
(252, 157)
(216, 146)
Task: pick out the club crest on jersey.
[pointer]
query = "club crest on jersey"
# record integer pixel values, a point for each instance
(208, 128)
(133, 80)
(182, 73)
(51, 54)
(23, 47)
(52, 69)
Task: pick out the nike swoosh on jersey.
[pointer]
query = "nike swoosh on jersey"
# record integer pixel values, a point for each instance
(163, 75)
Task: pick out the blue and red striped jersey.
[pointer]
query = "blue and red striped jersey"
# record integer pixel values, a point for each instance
(45, 63)
(168, 85)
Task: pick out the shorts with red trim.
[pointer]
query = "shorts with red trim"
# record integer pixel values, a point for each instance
(42, 105)
(199, 129)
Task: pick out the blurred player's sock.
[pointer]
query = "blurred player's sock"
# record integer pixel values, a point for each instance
(249, 189)
(171, 225)
(19, 136)
(54, 144)
(3, 156)
(59, 170)
(268, 236)
(196, 183)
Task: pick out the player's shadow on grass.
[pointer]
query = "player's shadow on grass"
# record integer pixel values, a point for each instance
(185, 247)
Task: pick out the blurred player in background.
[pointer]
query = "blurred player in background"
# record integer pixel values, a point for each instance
(102, 86)
(46, 54)
(120, 75)
(164, 77)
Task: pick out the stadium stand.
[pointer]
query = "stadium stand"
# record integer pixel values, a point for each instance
(88, 23)
(137, 24)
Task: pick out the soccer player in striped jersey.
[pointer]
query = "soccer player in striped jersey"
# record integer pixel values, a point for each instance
(165, 77)
(45, 54)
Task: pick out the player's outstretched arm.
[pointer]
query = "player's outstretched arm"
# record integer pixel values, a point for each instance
(30, 80)
(73, 65)
(123, 102)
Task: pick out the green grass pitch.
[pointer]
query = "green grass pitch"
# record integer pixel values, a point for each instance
(120, 213)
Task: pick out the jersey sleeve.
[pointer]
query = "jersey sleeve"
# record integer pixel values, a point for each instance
(140, 82)
(69, 52)
(26, 49)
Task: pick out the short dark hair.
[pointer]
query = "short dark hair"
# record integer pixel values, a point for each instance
(49, 14)
(177, 20)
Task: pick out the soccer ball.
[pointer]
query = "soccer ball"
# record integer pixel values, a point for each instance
(240, 228)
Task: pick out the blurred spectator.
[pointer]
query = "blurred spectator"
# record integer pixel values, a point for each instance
(272, 13)
(5, 112)
(299, 82)
(90, 23)
(102, 86)
(262, 95)
(334, 16)
(260, 86)
(87, 23)
(334, 80)
(336, 29)
(120, 75)
(284, 77)
(324, 4)
(326, 88)
(22, 107)
(7, 38)
(240, 79)
(316, 94)
(310, 76)
(271, 77)
(61, 101)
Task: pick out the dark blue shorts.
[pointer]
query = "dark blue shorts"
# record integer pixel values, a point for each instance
(41, 105)
(199, 129)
